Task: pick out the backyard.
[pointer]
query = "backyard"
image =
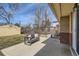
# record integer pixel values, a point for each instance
(42, 23)
(7, 41)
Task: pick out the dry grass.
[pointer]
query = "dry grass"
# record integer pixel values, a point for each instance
(8, 41)
(1, 54)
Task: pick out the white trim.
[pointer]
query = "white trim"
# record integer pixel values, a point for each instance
(39, 1)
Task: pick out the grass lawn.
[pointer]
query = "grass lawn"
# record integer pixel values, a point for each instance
(8, 41)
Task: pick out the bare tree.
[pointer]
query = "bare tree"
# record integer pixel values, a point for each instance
(14, 6)
(40, 23)
(47, 21)
(37, 19)
(7, 15)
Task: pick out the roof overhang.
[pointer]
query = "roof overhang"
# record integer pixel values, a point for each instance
(61, 9)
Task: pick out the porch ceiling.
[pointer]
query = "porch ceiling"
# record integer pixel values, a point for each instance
(61, 9)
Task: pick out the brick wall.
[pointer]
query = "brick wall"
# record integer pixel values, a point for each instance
(65, 34)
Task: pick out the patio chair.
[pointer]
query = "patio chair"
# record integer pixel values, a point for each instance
(31, 39)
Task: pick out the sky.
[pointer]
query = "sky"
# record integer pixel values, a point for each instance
(26, 13)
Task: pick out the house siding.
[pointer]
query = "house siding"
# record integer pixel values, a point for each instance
(7, 30)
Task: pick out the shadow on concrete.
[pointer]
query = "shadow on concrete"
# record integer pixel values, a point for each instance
(54, 48)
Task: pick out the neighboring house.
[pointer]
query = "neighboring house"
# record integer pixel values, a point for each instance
(7, 30)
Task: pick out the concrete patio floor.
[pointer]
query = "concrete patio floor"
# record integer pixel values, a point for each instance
(44, 47)
(54, 48)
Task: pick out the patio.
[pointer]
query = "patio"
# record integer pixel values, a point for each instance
(44, 47)
(54, 48)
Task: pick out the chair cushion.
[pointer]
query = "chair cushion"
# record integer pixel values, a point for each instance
(36, 35)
